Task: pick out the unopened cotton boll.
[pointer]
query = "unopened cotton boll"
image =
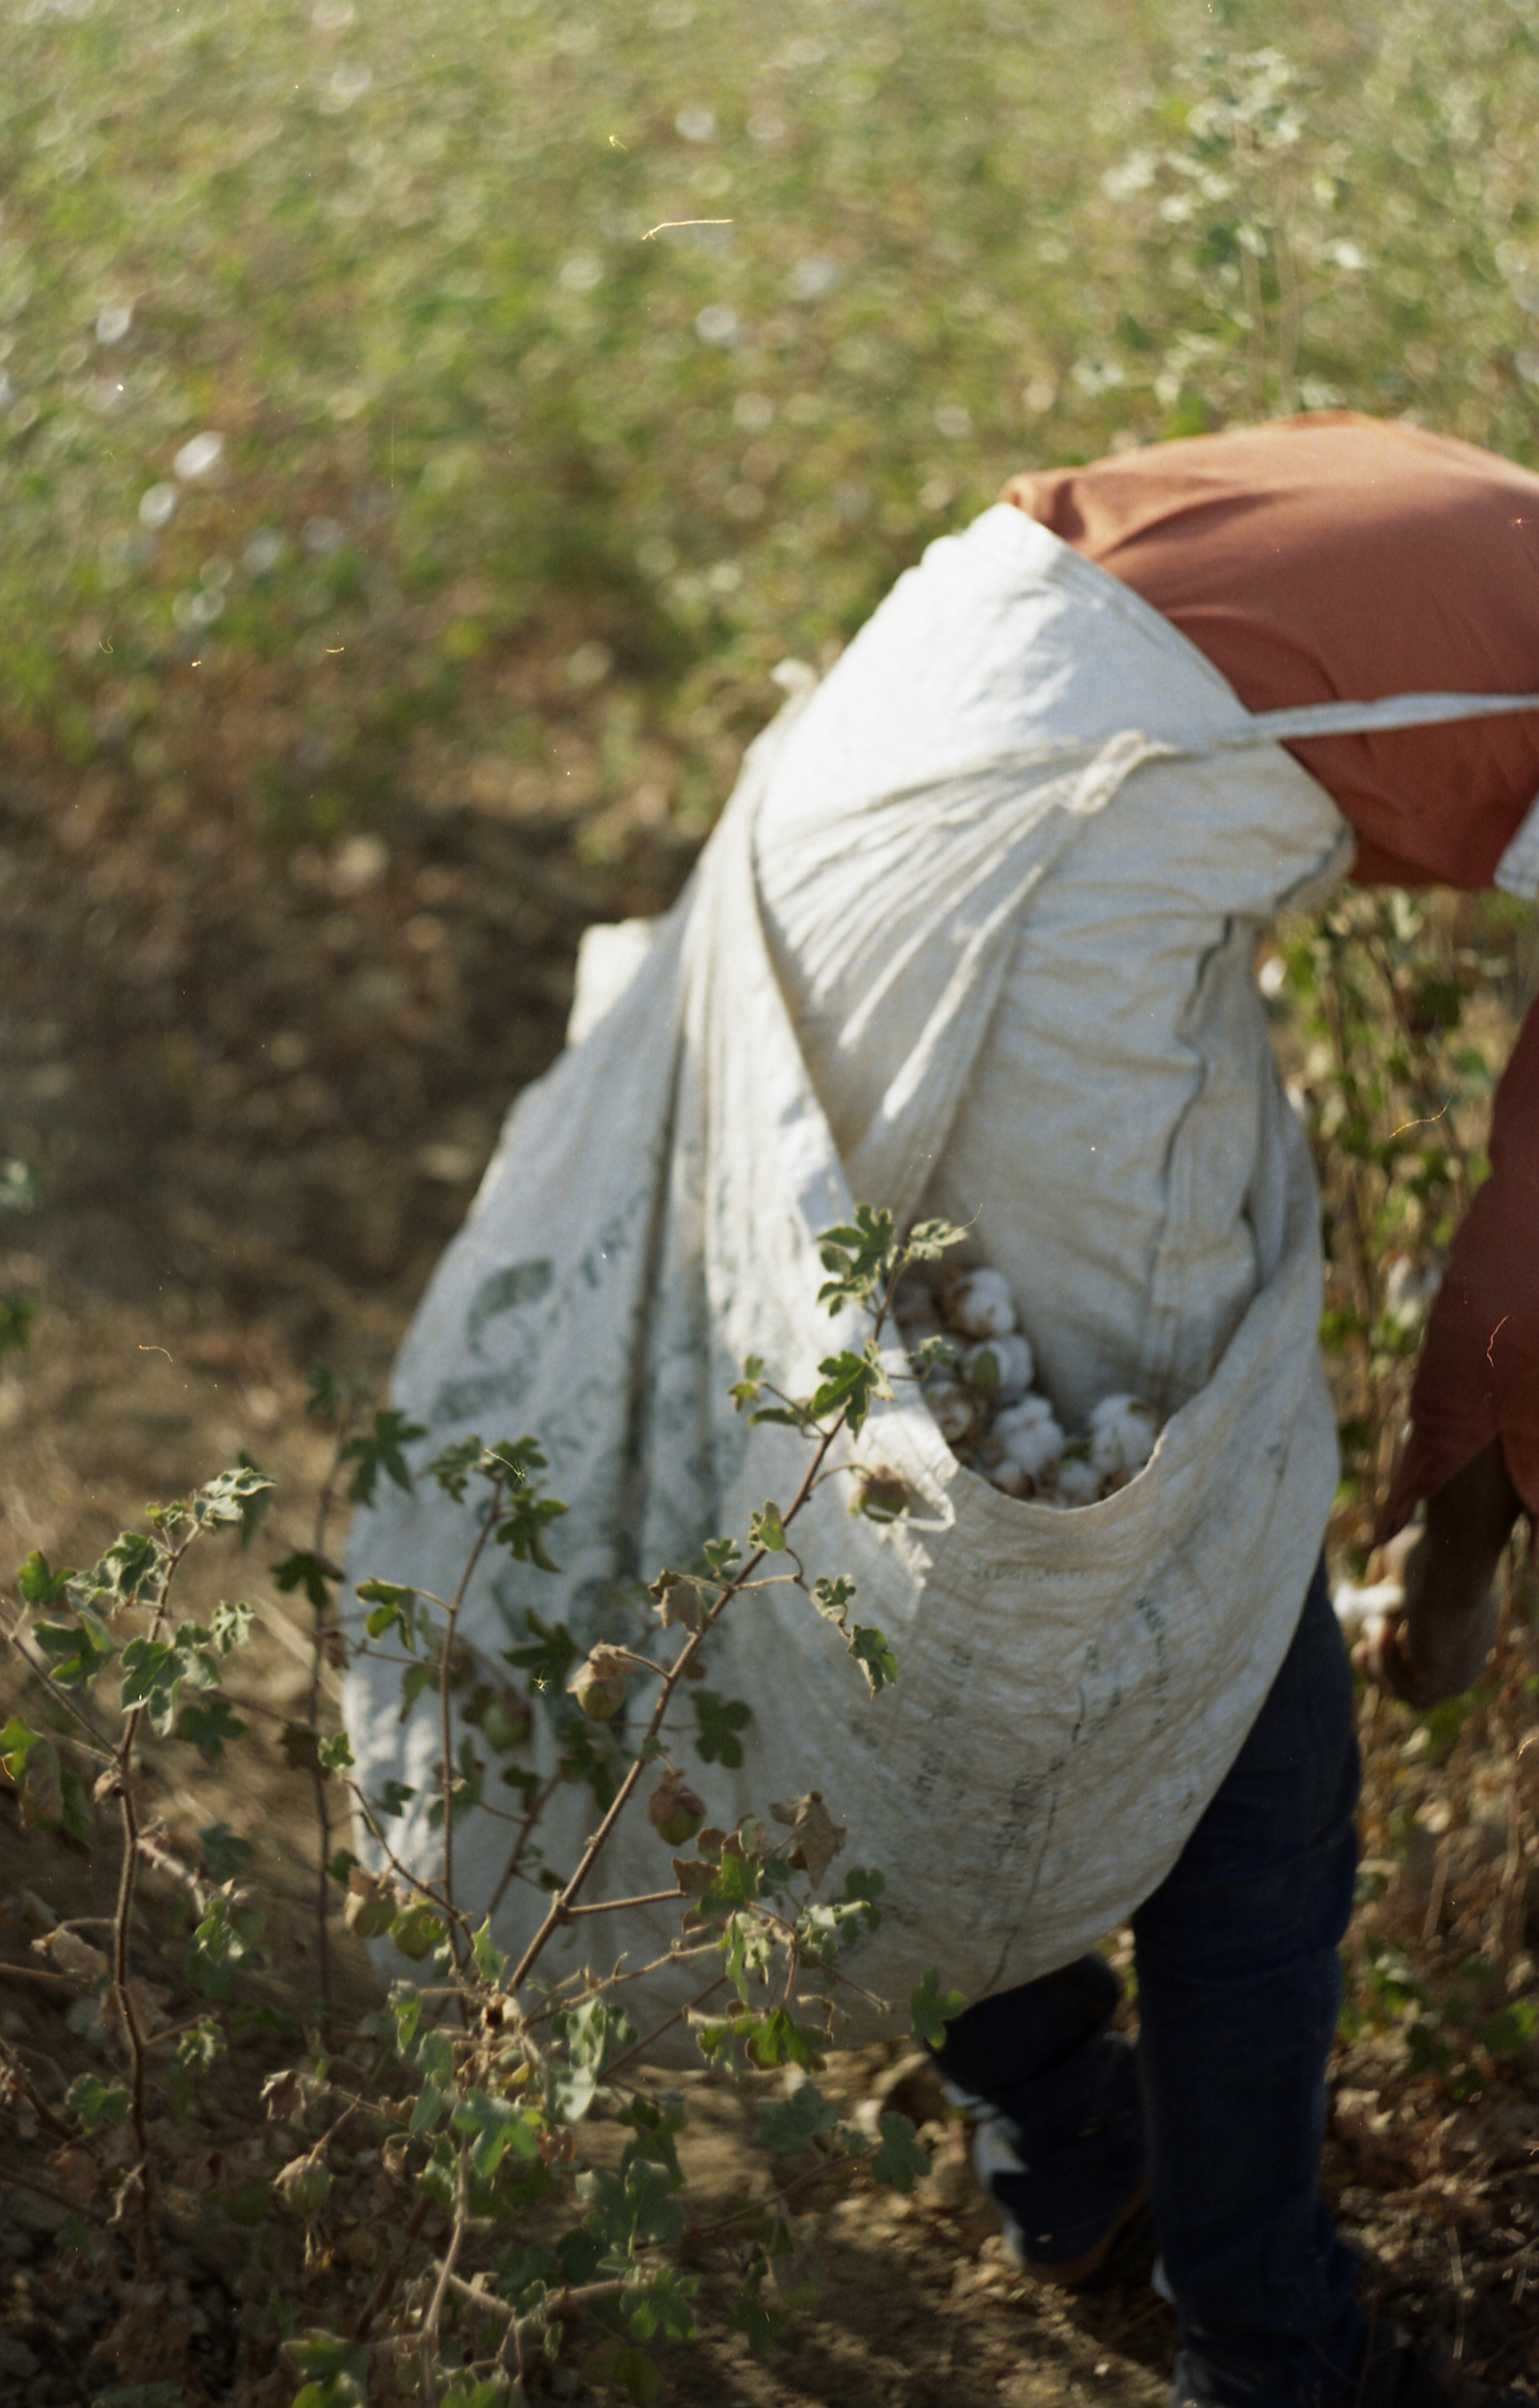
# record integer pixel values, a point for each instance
(1123, 1430)
(1030, 1434)
(956, 1411)
(1001, 1368)
(979, 1304)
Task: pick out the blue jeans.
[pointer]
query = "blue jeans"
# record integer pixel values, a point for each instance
(1220, 2106)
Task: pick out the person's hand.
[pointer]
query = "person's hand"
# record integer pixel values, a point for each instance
(1423, 1656)
(1438, 1642)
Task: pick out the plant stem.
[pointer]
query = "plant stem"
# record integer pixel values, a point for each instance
(537, 1805)
(428, 2344)
(488, 1523)
(389, 2281)
(617, 1905)
(677, 2016)
(15, 2072)
(566, 1897)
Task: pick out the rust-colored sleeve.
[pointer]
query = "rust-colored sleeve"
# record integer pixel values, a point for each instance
(1478, 1376)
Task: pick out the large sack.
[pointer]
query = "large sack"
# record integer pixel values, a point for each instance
(1073, 1685)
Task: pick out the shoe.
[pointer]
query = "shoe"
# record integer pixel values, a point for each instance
(1124, 2256)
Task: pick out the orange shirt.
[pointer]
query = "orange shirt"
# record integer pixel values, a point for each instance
(1336, 558)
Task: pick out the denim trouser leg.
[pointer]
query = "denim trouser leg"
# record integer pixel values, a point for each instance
(1237, 1987)
(1066, 2090)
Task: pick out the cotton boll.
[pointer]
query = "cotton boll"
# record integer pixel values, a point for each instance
(1123, 1430)
(1028, 1432)
(1076, 1482)
(1000, 1468)
(957, 1413)
(979, 1304)
(1000, 1368)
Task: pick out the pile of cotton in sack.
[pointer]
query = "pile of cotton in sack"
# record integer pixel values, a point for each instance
(963, 1337)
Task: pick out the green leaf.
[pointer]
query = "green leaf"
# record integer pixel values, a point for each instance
(635, 2207)
(766, 1529)
(498, 2128)
(549, 1655)
(130, 1571)
(17, 1313)
(616, 2369)
(231, 1497)
(338, 2370)
(521, 1527)
(381, 1451)
(487, 1957)
(79, 1649)
(155, 1671)
(430, 2108)
(717, 1722)
(762, 2325)
(849, 1384)
(834, 1597)
(794, 2123)
(394, 1608)
(305, 1570)
(226, 1854)
(414, 1681)
(861, 1255)
(930, 2009)
(207, 1724)
(1512, 2029)
(638, 2377)
(662, 2304)
(227, 1937)
(929, 1240)
(336, 1754)
(40, 1586)
(900, 2160)
(323, 1403)
(95, 2102)
(452, 1467)
(874, 1657)
(780, 2040)
(230, 1628)
(417, 1930)
(471, 2391)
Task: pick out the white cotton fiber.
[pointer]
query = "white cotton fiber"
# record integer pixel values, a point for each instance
(979, 1304)
(1001, 1368)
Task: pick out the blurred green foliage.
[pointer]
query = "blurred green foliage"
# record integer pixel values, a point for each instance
(497, 455)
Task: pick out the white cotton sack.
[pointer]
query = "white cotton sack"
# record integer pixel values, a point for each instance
(1030, 1433)
(1123, 1430)
(1001, 1368)
(979, 1304)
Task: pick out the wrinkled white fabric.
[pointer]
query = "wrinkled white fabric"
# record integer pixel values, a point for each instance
(983, 904)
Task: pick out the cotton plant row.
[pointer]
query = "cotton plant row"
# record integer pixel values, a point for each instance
(964, 1337)
(443, 2148)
